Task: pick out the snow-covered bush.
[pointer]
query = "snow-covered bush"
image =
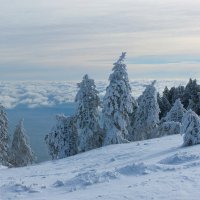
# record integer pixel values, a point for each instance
(4, 139)
(169, 128)
(118, 105)
(87, 116)
(190, 128)
(147, 114)
(20, 152)
(62, 140)
(176, 113)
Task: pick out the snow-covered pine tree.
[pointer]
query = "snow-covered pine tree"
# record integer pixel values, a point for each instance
(87, 115)
(147, 114)
(190, 128)
(118, 105)
(176, 113)
(20, 152)
(62, 140)
(4, 138)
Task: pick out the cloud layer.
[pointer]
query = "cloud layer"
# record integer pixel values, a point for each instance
(49, 94)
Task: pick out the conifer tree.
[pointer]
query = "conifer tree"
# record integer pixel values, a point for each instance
(168, 128)
(4, 138)
(62, 140)
(118, 105)
(147, 115)
(166, 92)
(191, 95)
(20, 152)
(190, 128)
(164, 105)
(178, 93)
(194, 104)
(87, 115)
(176, 113)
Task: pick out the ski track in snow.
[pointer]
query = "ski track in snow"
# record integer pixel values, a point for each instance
(154, 169)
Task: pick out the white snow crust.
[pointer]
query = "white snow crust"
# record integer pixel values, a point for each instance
(153, 169)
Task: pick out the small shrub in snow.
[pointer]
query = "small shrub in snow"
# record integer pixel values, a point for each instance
(190, 128)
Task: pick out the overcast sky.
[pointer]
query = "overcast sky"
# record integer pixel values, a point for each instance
(64, 39)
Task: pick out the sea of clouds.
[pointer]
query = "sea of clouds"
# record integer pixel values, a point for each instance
(33, 94)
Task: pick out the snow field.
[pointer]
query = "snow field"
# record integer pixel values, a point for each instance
(153, 169)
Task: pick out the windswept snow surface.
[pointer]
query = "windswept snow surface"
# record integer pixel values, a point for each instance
(151, 169)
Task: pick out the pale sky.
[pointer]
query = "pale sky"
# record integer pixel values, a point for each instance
(64, 39)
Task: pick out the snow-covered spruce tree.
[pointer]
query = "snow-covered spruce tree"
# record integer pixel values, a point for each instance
(164, 105)
(191, 96)
(168, 128)
(118, 105)
(178, 93)
(4, 139)
(87, 115)
(171, 124)
(147, 114)
(187, 93)
(176, 113)
(168, 93)
(62, 140)
(192, 92)
(20, 151)
(194, 104)
(190, 128)
(173, 94)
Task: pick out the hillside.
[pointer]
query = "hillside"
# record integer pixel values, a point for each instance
(152, 169)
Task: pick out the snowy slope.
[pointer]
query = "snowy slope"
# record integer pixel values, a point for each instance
(152, 169)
